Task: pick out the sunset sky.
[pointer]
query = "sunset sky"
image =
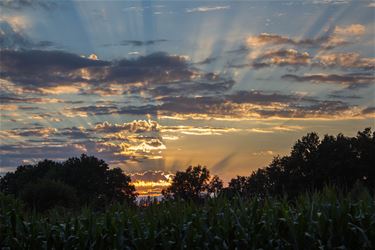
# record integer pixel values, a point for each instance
(155, 86)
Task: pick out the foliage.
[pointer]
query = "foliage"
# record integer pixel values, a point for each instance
(324, 220)
(313, 163)
(46, 194)
(88, 177)
(193, 184)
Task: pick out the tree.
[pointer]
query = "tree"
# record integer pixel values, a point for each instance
(92, 180)
(45, 194)
(118, 187)
(215, 186)
(13, 183)
(192, 184)
(313, 163)
(87, 174)
(238, 185)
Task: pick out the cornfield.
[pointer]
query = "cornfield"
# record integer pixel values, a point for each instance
(325, 220)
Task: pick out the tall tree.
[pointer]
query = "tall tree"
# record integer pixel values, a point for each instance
(192, 184)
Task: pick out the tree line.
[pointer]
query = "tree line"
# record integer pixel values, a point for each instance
(313, 163)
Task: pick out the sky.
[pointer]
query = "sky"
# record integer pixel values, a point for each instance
(155, 86)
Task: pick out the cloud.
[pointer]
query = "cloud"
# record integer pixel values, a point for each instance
(265, 39)
(138, 140)
(242, 105)
(12, 39)
(208, 60)
(345, 60)
(13, 33)
(138, 43)
(35, 132)
(369, 111)
(350, 30)
(351, 81)
(33, 69)
(276, 129)
(151, 182)
(333, 2)
(21, 4)
(58, 72)
(198, 87)
(336, 95)
(293, 58)
(151, 176)
(207, 8)
(193, 130)
(136, 126)
(284, 57)
(245, 105)
(18, 99)
(264, 153)
(340, 36)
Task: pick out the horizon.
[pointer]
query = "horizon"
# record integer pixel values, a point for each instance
(155, 86)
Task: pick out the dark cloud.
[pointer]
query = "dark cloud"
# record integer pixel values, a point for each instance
(95, 110)
(256, 104)
(157, 74)
(259, 97)
(156, 67)
(193, 88)
(9, 98)
(340, 96)
(368, 111)
(208, 60)
(38, 68)
(35, 69)
(33, 61)
(242, 49)
(112, 109)
(138, 43)
(352, 80)
(45, 44)
(241, 104)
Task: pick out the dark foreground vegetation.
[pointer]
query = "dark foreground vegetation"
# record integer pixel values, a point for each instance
(321, 196)
(325, 220)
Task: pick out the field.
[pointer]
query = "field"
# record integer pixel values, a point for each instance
(325, 220)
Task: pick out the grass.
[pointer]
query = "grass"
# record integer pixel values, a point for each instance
(325, 220)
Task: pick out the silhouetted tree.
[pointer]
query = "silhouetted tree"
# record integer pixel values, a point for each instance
(341, 161)
(13, 183)
(192, 184)
(91, 178)
(238, 185)
(45, 194)
(215, 186)
(118, 187)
